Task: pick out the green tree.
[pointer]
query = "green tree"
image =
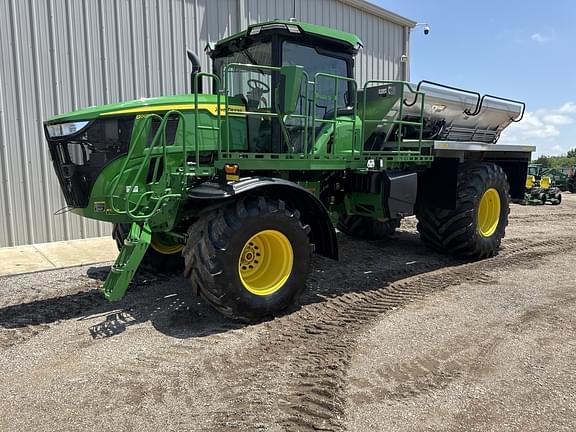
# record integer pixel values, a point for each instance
(557, 161)
(543, 160)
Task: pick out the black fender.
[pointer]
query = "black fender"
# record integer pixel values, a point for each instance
(312, 211)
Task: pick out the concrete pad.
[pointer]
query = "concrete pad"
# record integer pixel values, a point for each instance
(22, 259)
(79, 252)
(48, 256)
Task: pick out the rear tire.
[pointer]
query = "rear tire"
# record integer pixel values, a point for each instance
(366, 228)
(477, 224)
(249, 259)
(160, 257)
(558, 198)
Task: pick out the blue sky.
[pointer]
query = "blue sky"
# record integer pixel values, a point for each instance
(511, 48)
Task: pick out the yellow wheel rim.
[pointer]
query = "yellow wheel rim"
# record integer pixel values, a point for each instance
(265, 262)
(164, 246)
(489, 212)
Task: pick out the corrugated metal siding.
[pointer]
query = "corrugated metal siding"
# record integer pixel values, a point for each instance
(61, 55)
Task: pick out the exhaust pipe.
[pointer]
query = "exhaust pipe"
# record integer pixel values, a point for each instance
(196, 69)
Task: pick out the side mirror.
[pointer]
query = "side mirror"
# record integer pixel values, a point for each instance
(288, 91)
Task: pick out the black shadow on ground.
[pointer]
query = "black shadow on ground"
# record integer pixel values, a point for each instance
(168, 303)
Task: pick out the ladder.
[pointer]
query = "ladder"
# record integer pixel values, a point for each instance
(162, 186)
(123, 270)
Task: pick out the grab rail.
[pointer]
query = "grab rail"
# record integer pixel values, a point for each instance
(160, 135)
(197, 127)
(398, 123)
(435, 84)
(479, 99)
(236, 67)
(516, 120)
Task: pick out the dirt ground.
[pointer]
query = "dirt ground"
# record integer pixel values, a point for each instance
(391, 338)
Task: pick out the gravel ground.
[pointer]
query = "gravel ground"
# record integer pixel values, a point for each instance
(393, 337)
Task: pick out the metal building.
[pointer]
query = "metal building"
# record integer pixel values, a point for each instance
(62, 55)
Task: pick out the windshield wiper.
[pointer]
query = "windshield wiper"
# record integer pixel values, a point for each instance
(252, 60)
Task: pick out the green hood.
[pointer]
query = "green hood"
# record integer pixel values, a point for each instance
(138, 106)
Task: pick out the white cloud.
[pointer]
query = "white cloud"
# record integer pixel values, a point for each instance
(542, 38)
(543, 128)
(558, 119)
(568, 108)
(531, 127)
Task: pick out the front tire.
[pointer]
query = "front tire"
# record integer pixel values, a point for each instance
(249, 259)
(162, 256)
(477, 224)
(557, 199)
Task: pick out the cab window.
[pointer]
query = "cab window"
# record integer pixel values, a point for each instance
(315, 62)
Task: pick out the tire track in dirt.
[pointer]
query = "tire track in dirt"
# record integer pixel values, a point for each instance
(317, 342)
(548, 217)
(424, 374)
(291, 372)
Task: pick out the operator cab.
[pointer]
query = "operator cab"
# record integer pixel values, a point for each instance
(282, 43)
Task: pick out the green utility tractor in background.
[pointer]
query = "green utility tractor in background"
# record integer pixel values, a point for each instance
(238, 183)
(560, 177)
(541, 186)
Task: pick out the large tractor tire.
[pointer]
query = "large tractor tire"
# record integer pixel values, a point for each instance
(249, 259)
(366, 228)
(477, 224)
(162, 256)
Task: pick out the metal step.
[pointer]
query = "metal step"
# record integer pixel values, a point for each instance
(128, 261)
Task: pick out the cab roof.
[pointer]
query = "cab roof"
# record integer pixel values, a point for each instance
(294, 26)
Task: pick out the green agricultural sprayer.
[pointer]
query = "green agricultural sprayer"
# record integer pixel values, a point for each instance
(559, 178)
(239, 185)
(570, 182)
(564, 178)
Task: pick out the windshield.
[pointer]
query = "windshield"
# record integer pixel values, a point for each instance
(260, 53)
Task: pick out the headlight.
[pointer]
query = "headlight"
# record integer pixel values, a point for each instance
(65, 129)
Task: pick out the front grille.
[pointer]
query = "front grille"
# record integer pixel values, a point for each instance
(80, 158)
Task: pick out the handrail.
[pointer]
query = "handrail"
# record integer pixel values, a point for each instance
(403, 85)
(227, 69)
(217, 82)
(315, 94)
(159, 136)
(479, 100)
(259, 68)
(516, 120)
(129, 156)
(467, 111)
(310, 117)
